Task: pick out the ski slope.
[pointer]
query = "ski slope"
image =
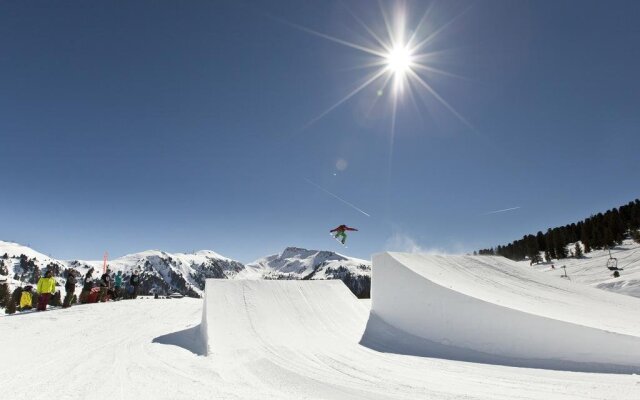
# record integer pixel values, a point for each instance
(270, 340)
(501, 312)
(591, 269)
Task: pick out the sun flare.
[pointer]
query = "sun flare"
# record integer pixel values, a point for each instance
(399, 60)
(400, 57)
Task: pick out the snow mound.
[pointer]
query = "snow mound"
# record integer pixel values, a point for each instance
(493, 310)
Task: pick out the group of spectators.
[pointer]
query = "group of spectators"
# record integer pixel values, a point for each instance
(106, 288)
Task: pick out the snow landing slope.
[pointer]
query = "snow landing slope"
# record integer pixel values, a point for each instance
(502, 312)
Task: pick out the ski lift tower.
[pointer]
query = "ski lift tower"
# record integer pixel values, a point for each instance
(564, 273)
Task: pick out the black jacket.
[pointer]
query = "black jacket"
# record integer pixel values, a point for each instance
(105, 281)
(88, 283)
(134, 280)
(71, 283)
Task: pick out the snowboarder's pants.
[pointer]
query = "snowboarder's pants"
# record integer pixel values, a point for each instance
(43, 301)
(134, 292)
(341, 234)
(67, 299)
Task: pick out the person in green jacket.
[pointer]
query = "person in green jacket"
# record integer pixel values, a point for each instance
(46, 288)
(118, 285)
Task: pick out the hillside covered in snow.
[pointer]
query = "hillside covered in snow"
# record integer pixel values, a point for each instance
(592, 268)
(163, 272)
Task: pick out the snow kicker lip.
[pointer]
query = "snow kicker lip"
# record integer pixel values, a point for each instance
(500, 313)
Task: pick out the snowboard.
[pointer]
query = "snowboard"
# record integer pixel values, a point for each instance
(337, 240)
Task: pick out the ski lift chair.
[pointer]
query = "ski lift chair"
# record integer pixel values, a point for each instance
(612, 264)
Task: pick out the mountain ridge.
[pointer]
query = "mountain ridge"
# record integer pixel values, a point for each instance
(165, 272)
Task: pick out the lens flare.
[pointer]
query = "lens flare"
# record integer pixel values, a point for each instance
(401, 57)
(399, 61)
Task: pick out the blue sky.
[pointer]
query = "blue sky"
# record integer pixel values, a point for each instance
(180, 126)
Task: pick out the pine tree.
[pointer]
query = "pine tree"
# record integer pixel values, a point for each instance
(635, 235)
(542, 245)
(596, 232)
(578, 250)
(561, 252)
(17, 293)
(536, 259)
(11, 307)
(5, 295)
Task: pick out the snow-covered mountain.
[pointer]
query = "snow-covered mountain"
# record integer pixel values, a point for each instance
(186, 273)
(160, 271)
(298, 263)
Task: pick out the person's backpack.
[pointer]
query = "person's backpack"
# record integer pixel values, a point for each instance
(25, 299)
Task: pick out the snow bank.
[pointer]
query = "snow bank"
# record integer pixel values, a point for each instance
(496, 311)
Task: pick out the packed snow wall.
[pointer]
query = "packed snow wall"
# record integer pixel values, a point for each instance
(490, 309)
(244, 316)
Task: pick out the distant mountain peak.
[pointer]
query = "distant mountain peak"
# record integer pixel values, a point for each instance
(299, 252)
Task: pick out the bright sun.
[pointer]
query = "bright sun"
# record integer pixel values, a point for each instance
(399, 60)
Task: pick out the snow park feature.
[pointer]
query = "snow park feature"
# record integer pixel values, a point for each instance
(492, 310)
(313, 339)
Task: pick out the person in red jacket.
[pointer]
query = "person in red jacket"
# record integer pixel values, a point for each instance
(341, 232)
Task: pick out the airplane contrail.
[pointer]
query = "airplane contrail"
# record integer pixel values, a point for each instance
(500, 211)
(331, 194)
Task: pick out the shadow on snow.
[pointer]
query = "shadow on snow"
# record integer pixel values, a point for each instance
(189, 339)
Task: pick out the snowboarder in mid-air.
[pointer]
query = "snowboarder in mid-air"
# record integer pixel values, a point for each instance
(340, 232)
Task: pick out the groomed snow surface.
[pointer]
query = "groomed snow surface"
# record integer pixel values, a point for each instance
(437, 328)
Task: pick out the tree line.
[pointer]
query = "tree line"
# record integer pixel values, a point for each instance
(596, 232)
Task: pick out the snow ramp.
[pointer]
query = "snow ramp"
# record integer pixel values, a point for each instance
(492, 310)
(278, 317)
